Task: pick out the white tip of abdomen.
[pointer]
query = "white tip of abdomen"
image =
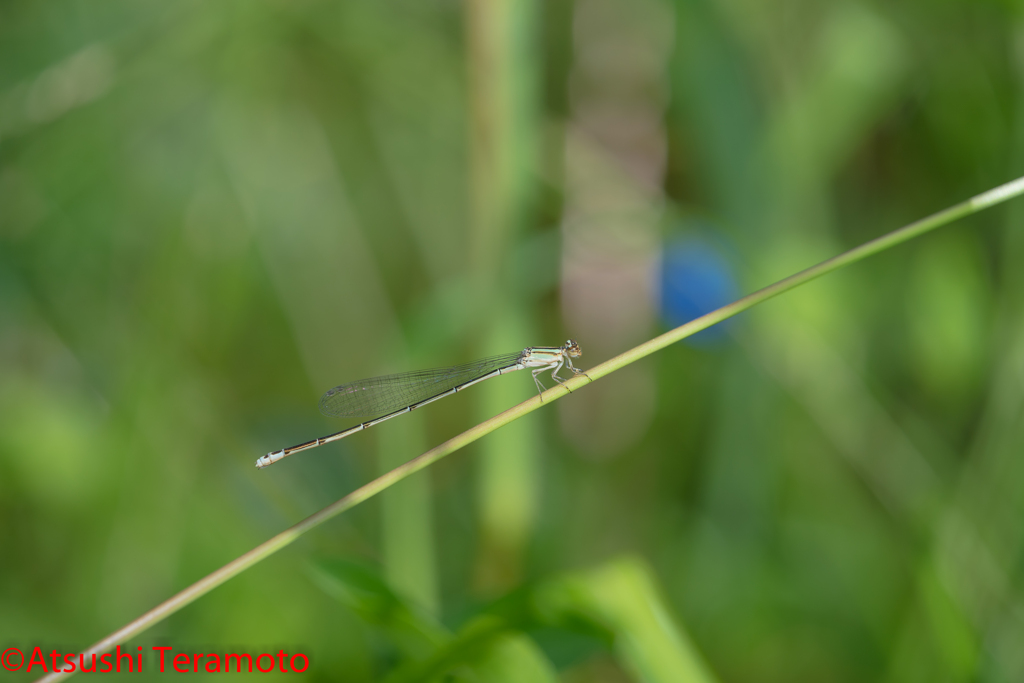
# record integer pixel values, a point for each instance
(269, 459)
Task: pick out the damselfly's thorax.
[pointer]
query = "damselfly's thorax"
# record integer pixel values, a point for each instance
(550, 356)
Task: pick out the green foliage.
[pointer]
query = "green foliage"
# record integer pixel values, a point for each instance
(615, 605)
(211, 212)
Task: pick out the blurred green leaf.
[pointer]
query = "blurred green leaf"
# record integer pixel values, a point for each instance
(485, 650)
(365, 592)
(618, 602)
(621, 597)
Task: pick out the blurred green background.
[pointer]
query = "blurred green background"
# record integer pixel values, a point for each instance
(210, 213)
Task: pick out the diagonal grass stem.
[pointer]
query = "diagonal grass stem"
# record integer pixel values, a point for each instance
(205, 585)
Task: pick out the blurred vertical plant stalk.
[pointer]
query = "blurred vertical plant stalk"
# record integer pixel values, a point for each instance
(615, 154)
(282, 167)
(407, 525)
(503, 101)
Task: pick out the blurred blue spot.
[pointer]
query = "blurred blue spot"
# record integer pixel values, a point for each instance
(696, 279)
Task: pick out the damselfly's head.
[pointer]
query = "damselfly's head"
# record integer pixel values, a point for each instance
(573, 349)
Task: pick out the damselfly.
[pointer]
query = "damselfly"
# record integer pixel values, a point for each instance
(393, 395)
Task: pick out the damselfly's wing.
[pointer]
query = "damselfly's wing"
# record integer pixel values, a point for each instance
(381, 395)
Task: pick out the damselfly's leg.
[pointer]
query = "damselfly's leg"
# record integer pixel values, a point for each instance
(536, 380)
(575, 370)
(554, 375)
